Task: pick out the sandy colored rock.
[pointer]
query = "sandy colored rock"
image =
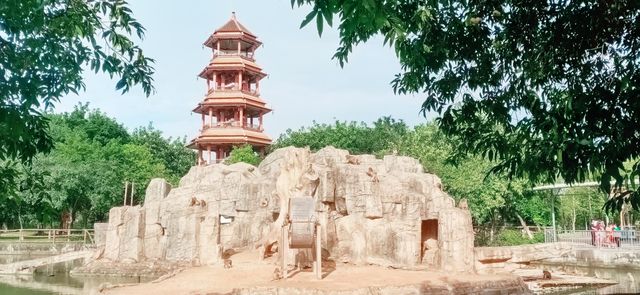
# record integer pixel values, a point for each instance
(371, 211)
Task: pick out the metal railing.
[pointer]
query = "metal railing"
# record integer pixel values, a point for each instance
(36, 235)
(596, 238)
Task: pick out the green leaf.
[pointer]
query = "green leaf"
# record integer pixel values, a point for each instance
(328, 16)
(319, 23)
(308, 18)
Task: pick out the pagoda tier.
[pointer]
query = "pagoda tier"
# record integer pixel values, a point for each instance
(232, 110)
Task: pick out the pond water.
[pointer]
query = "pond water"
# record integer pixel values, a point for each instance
(54, 279)
(628, 279)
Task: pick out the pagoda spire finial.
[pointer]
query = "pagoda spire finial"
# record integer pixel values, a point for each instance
(233, 15)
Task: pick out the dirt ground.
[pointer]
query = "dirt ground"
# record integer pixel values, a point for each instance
(248, 272)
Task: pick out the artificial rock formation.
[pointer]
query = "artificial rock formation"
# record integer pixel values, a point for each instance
(372, 211)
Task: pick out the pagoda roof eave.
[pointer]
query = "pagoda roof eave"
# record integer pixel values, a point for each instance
(260, 73)
(199, 110)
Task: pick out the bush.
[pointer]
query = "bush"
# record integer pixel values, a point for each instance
(508, 237)
(244, 154)
(512, 237)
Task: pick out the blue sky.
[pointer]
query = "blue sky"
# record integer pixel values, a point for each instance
(304, 83)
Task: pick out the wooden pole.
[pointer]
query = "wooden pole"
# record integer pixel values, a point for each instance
(126, 188)
(318, 252)
(133, 191)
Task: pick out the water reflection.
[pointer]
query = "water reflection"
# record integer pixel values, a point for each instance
(55, 279)
(628, 279)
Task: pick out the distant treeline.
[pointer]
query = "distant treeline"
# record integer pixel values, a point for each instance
(84, 175)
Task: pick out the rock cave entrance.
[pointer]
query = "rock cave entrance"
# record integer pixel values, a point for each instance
(428, 231)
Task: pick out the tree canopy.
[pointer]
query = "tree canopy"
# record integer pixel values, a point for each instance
(45, 45)
(244, 154)
(546, 89)
(84, 173)
(358, 138)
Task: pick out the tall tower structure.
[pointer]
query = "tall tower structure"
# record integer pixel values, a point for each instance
(232, 110)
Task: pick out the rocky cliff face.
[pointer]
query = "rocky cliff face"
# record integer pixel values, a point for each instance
(380, 211)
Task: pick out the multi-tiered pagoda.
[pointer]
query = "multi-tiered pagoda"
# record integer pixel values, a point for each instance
(232, 109)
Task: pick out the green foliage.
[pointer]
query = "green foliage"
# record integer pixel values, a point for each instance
(171, 151)
(44, 47)
(512, 237)
(84, 173)
(357, 138)
(576, 207)
(545, 90)
(488, 196)
(244, 154)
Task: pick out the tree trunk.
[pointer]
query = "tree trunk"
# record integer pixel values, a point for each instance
(525, 227)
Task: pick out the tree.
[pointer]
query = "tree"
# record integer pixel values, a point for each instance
(244, 154)
(84, 174)
(357, 138)
(546, 89)
(490, 197)
(44, 46)
(171, 151)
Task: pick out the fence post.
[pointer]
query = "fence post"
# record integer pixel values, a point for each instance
(20, 235)
(84, 237)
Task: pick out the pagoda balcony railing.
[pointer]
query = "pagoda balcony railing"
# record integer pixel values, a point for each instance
(233, 53)
(253, 92)
(233, 124)
(255, 127)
